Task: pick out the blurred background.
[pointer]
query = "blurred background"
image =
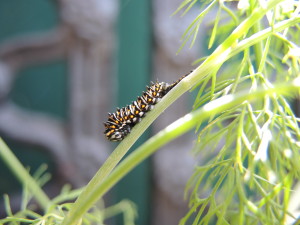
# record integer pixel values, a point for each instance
(63, 65)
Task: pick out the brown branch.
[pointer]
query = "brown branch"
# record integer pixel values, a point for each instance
(34, 128)
(35, 48)
(30, 49)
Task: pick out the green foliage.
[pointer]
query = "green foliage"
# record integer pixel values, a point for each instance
(251, 151)
(53, 211)
(55, 215)
(249, 143)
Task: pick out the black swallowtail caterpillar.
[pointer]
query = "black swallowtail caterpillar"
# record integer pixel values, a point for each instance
(119, 124)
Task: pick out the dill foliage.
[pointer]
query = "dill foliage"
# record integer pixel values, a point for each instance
(248, 135)
(249, 153)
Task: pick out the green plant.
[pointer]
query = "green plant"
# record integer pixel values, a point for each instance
(54, 210)
(243, 91)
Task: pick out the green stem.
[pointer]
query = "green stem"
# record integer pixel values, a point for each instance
(182, 126)
(263, 35)
(258, 47)
(220, 55)
(174, 130)
(24, 177)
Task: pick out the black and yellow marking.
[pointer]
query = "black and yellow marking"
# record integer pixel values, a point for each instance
(120, 123)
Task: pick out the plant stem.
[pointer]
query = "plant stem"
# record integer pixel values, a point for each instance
(174, 130)
(24, 177)
(90, 194)
(182, 126)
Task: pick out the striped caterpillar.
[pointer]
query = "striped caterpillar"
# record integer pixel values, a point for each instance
(120, 123)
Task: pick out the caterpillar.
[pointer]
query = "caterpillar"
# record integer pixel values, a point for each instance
(120, 123)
